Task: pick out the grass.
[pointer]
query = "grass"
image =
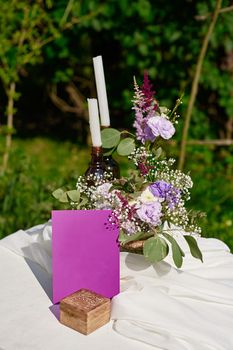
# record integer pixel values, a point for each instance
(40, 165)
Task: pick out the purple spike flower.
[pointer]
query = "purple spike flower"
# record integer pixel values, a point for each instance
(148, 92)
(144, 107)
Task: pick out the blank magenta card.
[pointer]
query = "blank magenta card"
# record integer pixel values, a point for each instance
(85, 253)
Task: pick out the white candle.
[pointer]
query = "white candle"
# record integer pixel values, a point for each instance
(101, 91)
(94, 122)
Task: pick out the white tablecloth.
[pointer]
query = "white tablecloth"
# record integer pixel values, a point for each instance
(159, 307)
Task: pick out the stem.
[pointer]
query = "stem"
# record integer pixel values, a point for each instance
(178, 102)
(67, 11)
(127, 132)
(222, 10)
(195, 83)
(10, 115)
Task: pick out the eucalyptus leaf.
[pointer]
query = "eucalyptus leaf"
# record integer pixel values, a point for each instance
(73, 195)
(64, 198)
(126, 146)
(177, 252)
(157, 152)
(58, 193)
(123, 238)
(155, 249)
(83, 202)
(194, 249)
(108, 153)
(110, 137)
(135, 194)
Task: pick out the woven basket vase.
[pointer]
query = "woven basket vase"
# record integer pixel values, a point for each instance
(133, 247)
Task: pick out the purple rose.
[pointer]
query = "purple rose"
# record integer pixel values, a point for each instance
(150, 213)
(161, 126)
(164, 190)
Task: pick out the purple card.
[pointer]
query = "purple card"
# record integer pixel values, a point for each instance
(85, 253)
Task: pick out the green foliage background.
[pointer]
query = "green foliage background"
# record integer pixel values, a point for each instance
(162, 37)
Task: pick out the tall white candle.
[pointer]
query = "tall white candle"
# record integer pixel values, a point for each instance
(94, 122)
(101, 90)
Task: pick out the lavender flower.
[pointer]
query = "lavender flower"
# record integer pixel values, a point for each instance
(161, 126)
(166, 191)
(148, 134)
(150, 213)
(139, 125)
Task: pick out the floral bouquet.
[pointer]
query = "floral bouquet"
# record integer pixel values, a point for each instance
(148, 206)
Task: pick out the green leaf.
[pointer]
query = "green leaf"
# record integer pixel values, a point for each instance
(73, 195)
(64, 198)
(123, 238)
(126, 146)
(194, 249)
(83, 203)
(109, 152)
(157, 152)
(57, 193)
(110, 137)
(155, 249)
(136, 194)
(177, 252)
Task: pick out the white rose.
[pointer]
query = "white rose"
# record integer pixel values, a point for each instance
(148, 197)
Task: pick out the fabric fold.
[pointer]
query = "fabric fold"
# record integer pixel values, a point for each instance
(33, 244)
(177, 309)
(186, 309)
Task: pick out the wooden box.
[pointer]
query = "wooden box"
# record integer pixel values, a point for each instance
(85, 311)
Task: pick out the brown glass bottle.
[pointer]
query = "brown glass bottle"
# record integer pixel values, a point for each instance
(97, 167)
(112, 166)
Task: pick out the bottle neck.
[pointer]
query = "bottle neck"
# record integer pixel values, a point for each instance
(96, 155)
